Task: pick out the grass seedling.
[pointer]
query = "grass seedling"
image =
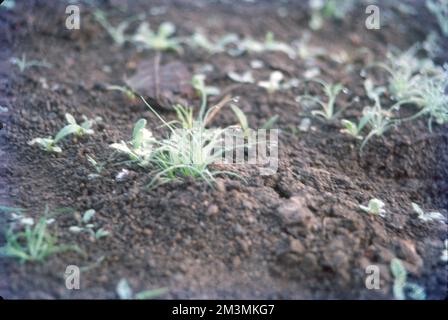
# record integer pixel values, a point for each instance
(328, 108)
(241, 118)
(162, 40)
(140, 148)
(125, 292)
(427, 216)
(274, 82)
(375, 207)
(35, 243)
(270, 122)
(198, 82)
(401, 287)
(23, 63)
(98, 167)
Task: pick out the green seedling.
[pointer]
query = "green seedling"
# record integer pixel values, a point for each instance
(375, 207)
(269, 44)
(125, 292)
(324, 9)
(270, 122)
(274, 83)
(328, 107)
(140, 148)
(125, 90)
(162, 40)
(199, 40)
(403, 288)
(35, 243)
(198, 82)
(427, 216)
(88, 227)
(246, 77)
(354, 129)
(23, 63)
(46, 144)
(97, 166)
(85, 128)
(439, 8)
(241, 118)
(116, 33)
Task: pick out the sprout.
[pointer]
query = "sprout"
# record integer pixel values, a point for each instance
(427, 216)
(274, 82)
(246, 77)
(375, 207)
(46, 144)
(140, 147)
(401, 286)
(116, 33)
(24, 64)
(331, 91)
(162, 40)
(85, 128)
(88, 227)
(125, 292)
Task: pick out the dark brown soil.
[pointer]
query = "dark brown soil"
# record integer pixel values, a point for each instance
(296, 234)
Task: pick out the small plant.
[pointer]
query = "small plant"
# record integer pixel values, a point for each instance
(427, 216)
(125, 90)
(198, 82)
(353, 129)
(140, 148)
(328, 108)
(274, 82)
(270, 122)
(162, 40)
(333, 9)
(439, 8)
(401, 287)
(88, 227)
(241, 118)
(46, 144)
(116, 33)
(125, 292)
(35, 243)
(97, 166)
(85, 128)
(246, 77)
(269, 44)
(375, 207)
(23, 63)
(199, 40)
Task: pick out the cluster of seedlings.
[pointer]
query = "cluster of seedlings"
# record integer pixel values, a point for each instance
(190, 147)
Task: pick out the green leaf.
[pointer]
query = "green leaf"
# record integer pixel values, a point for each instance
(70, 118)
(149, 294)
(88, 215)
(398, 270)
(137, 134)
(241, 117)
(123, 290)
(270, 123)
(66, 131)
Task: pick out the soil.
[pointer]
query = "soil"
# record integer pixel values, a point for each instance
(297, 234)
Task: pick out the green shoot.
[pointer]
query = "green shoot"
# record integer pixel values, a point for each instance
(88, 227)
(125, 292)
(328, 108)
(140, 147)
(427, 216)
(24, 64)
(241, 118)
(199, 40)
(204, 91)
(116, 33)
(85, 128)
(98, 167)
(274, 82)
(246, 77)
(126, 91)
(375, 207)
(162, 40)
(354, 129)
(270, 122)
(401, 286)
(46, 144)
(35, 243)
